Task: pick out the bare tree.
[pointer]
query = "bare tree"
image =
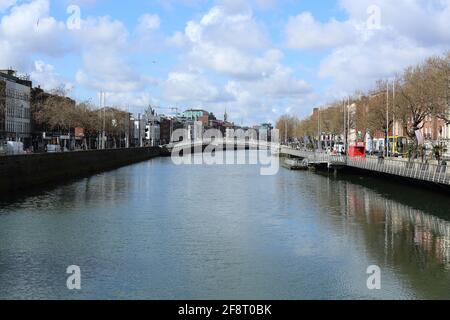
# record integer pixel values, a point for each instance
(287, 126)
(55, 111)
(438, 69)
(377, 110)
(417, 98)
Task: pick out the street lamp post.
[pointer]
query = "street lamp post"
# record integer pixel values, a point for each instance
(387, 119)
(393, 118)
(345, 126)
(286, 131)
(348, 126)
(319, 143)
(102, 105)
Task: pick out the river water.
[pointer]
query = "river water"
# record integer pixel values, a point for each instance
(155, 230)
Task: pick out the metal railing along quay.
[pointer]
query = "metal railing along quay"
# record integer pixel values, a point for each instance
(408, 169)
(436, 173)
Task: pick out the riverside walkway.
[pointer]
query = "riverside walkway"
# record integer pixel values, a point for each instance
(427, 172)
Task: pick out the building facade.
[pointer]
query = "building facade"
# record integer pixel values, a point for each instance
(139, 126)
(197, 115)
(265, 131)
(168, 126)
(446, 140)
(153, 134)
(15, 111)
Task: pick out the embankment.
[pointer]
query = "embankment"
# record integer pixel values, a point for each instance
(26, 171)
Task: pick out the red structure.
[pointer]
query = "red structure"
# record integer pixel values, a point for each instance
(357, 150)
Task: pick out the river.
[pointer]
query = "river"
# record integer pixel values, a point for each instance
(155, 230)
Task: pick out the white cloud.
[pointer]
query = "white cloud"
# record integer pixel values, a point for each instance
(221, 27)
(304, 32)
(178, 40)
(229, 44)
(6, 4)
(232, 62)
(426, 22)
(28, 29)
(148, 22)
(172, 4)
(241, 5)
(111, 73)
(81, 2)
(134, 102)
(262, 100)
(360, 65)
(45, 76)
(409, 31)
(185, 87)
(280, 84)
(101, 32)
(105, 49)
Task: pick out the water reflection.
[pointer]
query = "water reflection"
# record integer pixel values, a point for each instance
(155, 230)
(427, 232)
(415, 243)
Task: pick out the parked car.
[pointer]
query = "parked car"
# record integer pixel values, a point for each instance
(53, 148)
(14, 148)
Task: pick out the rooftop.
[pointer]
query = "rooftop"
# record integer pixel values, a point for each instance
(11, 75)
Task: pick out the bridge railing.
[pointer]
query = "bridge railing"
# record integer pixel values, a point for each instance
(317, 156)
(414, 170)
(409, 169)
(329, 158)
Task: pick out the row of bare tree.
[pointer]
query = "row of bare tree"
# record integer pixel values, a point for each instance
(419, 92)
(55, 112)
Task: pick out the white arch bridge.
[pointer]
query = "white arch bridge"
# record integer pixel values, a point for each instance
(224, 144)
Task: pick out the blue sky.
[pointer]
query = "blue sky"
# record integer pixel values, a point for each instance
(259, 59)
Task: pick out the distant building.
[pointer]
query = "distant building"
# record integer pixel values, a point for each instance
(265, 131)
(153, 128)
(168, 125)
(15, 108)
(153, 134)
(446, 139)
(197, 115)
(198, 131)
(138, 133)
(433, 128)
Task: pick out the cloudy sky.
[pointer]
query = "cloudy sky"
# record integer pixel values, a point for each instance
(256, 58)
